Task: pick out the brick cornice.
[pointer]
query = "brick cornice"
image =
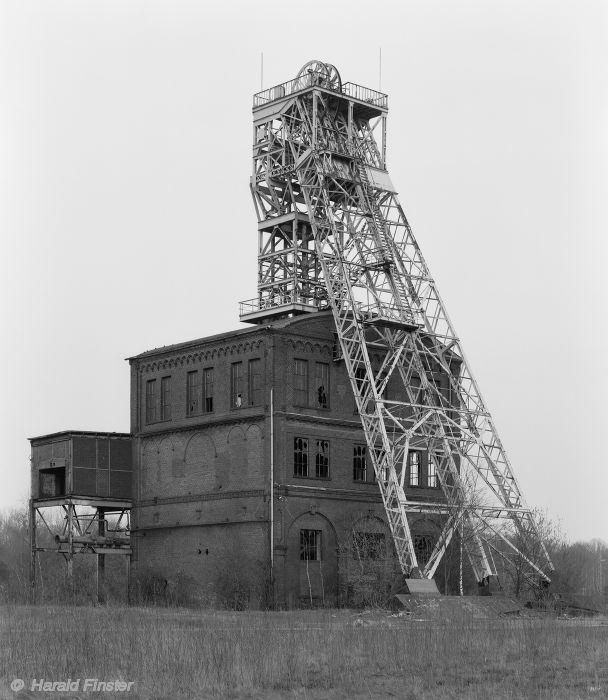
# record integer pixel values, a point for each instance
(210, 423)
(322, 420)
(297, 490)
(193, 356)
(195, 498)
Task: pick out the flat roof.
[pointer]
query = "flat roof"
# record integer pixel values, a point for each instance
(192, 343)
(261, 327)
(78, 433)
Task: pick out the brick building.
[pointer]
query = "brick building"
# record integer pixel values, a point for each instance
(250, 472)
(215, 422)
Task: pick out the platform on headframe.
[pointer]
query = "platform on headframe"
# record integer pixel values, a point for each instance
(438, 607)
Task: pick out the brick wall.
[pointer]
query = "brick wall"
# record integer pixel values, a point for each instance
(203, 479)
(219, 564)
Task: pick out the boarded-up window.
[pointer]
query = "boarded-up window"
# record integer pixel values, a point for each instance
(52, 482)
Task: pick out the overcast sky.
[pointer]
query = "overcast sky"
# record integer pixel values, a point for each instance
(127, 223)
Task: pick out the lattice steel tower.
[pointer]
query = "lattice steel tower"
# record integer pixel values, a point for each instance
(332, 234)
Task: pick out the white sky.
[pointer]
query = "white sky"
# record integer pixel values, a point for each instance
(126, 219)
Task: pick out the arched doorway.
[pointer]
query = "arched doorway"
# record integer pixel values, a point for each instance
(368, 562)
(311, 562)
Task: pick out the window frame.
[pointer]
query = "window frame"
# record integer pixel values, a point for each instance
(207, 397)
(300, 457)
(363, 458)
(165, 398)
(236, 385)
(322, 380)
(300, 394)
(192, 393)
(321, 456)
(151, 401)
(413, 476)
(255, 389)
(311, 543)
(431, 473)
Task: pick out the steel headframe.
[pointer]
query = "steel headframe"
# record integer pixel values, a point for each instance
(333, 234)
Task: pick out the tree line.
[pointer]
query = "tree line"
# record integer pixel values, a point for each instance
(580, 577)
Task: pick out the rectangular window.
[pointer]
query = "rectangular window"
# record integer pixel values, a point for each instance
(165, 398)
(322, 460)
(208, 390)
(236, 385)
(300, 456)
(322, 384)
(300, 383)
(255, 382)
(413, 463)
(192, 399)
(432, 482)
(310, 545)
(359, 463)
(151, 401)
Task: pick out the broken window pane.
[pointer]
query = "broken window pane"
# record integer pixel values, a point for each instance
(300, 456)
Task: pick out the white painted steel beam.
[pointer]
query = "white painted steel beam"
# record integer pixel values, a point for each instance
(335, 235)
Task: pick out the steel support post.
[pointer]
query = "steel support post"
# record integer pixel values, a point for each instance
(101, 559)
(128, 560)
(69, 557)
(33, 552)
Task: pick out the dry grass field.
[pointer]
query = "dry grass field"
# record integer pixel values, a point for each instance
(175, 654)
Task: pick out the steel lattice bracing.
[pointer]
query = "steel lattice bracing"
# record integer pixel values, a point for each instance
(333, 234)
(87, 526)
